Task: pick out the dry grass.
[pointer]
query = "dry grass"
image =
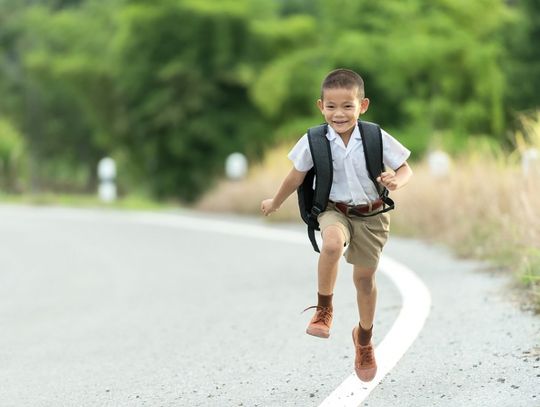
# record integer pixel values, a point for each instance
(486, 208)
(262, 182)
(481, 208)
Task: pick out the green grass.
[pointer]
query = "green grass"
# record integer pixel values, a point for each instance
(529, 269)
(86, 201)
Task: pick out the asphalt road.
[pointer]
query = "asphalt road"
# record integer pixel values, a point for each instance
(100, 308)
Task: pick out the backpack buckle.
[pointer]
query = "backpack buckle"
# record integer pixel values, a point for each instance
(315, 211)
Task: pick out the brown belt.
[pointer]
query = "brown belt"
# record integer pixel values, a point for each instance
(358, 209)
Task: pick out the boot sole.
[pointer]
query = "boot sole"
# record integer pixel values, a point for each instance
(318, 333)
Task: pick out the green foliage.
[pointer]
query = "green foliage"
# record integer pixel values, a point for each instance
(522, 64)
(181, 75)
(12, 156)
(170, 87)
(425, 64)
(62, 74)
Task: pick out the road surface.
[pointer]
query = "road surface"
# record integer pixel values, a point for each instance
(107, 308)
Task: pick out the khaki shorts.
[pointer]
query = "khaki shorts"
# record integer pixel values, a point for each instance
(364, 237)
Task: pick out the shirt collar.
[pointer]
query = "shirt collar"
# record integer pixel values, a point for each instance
(331, 134)
(356, 133)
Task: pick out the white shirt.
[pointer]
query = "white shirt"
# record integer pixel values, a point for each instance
(351, 183)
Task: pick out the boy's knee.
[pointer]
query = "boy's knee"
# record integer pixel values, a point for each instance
(333, 242)
(364, 277)
(332, 247)
(365, 285)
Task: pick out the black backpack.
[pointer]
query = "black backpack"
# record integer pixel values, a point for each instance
(313, 202)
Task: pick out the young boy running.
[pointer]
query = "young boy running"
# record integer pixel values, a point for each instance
(342, 102)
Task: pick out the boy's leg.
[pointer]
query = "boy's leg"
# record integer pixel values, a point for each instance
(366, 298)
(370, 235)
(331, 251)
(366, 294)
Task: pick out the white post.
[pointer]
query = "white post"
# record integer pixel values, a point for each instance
(530, 162)
(439, 164)
(107, 175)
(236, 166)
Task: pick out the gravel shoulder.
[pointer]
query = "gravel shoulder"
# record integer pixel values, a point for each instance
(478, 348)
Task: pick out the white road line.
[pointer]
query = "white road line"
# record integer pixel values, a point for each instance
(415, 295)
(414, 312)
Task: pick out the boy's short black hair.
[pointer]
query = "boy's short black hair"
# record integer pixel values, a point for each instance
(343, 78)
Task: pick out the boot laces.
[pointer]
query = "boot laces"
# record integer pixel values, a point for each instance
(366, 354)
(323, 314)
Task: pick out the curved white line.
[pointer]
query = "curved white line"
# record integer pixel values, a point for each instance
(414, 312)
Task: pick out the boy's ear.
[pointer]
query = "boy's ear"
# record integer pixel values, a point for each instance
(320, 104)
(364, 104)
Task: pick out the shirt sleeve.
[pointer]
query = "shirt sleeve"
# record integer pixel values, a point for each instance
(300, 155)
(394, 153)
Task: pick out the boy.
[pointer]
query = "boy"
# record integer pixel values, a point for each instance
(342, 102)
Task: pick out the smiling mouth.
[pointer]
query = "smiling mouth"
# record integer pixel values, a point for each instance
(345, 122)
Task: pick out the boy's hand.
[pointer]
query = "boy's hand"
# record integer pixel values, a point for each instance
(388, 179)
(396, 180)
(267, 206)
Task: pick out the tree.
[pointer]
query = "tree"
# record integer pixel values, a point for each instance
(57, 76)
(432, 65)
(12, 157)
(183, 68)
(523, 59)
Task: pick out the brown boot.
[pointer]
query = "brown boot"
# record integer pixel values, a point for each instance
(365, 365)
(321, 322)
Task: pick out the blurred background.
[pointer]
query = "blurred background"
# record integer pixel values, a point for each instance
(170, 88)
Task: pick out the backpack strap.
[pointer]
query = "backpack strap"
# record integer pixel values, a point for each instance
(373, 152)
(324, 172)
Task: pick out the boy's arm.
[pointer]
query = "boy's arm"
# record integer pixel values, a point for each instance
(291, 182)
(396, 180)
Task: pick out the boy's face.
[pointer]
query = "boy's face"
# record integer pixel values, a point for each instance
(341, 108)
